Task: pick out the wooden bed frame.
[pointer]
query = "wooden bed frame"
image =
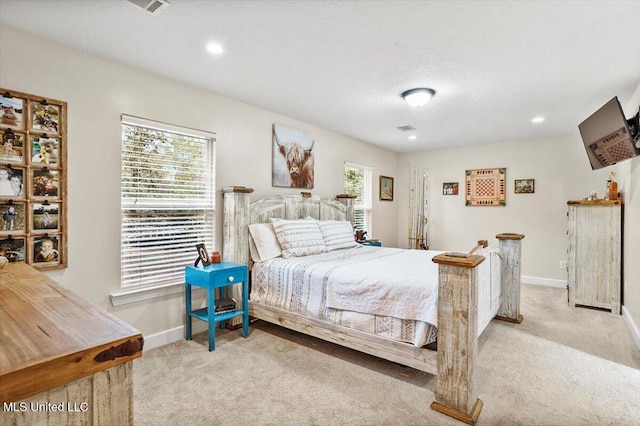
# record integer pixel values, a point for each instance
(455, 360)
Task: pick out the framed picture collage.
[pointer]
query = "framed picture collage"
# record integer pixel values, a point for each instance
(33, 179)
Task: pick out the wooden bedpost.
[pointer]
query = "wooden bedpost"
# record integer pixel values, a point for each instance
(236, 216)
(456, 393)
(235, 235)
(347, 200)
(510, 245)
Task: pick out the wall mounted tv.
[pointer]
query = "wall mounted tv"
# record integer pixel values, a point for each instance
(608, 137)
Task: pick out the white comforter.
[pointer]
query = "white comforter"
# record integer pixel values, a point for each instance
(397, 283)
(383, 291)
(299, 285)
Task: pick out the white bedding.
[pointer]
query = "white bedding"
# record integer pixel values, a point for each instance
(397, 283)
(305, 285)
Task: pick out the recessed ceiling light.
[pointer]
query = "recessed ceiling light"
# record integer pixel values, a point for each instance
(413, 137)
(537, 120)
(215, 48)
(418, 97)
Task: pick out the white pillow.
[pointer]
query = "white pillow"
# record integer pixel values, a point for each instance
(337, 234)
(299, 237)
(253, 251)
(265, 242)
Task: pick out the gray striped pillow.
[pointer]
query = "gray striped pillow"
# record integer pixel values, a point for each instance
(299, 237)
(337, 234)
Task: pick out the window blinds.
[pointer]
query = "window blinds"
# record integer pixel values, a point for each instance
(359, 182)
(167, 200)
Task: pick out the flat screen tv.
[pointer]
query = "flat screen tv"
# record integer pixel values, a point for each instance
(608, 137)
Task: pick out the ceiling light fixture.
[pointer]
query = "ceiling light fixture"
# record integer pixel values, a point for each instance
(537, 120)
(215, 48)
(418, 97)
(413, 137)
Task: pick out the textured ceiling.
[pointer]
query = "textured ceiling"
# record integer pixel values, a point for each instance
(342, 65)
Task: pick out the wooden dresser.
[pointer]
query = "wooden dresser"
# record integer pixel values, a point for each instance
(595, 254)
(63, 360)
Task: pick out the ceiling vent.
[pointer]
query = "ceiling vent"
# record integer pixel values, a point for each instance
(151, 6)
(406, 128)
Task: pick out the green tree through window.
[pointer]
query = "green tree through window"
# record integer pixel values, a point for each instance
(168, 200)
(358, 182)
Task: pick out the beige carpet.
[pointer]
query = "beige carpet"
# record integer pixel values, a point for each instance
(561, 366)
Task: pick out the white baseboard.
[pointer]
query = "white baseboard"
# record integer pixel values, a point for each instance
(633, 327)
(548, 282)
(172, 335)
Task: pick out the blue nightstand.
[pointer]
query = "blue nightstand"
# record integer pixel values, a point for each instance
(216, 275)
(375, 243)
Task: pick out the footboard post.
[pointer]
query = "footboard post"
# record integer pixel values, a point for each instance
(456, 393)
(510, 245)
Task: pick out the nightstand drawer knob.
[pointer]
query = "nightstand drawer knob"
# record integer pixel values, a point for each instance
(230, 279)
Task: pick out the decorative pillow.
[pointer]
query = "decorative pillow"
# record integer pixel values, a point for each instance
(337, 234)
(299, 237)
(263, 238)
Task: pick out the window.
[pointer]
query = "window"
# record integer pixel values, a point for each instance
(358, 181)
(168, 200)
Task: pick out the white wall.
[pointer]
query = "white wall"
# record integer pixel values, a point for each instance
(97, 92)
(629, 172)
(561, 171)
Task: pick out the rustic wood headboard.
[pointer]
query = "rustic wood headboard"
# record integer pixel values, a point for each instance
(240, 212)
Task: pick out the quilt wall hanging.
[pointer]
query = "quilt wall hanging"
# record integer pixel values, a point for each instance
(485, 187)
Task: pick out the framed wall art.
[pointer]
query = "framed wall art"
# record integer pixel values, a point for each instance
(485, 187)
(450, 188)
(292, 160)
(33, 179)
(386, 188)
(524, 186)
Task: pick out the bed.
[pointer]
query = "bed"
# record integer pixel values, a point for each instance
(313, 293)
(349, 287)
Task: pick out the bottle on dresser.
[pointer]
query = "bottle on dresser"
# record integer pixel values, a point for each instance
(613, 187)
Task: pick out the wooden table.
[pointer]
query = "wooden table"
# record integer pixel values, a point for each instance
(63, 360)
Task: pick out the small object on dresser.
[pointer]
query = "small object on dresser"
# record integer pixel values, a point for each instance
(215, 257)
(613, 187)
(227, 304)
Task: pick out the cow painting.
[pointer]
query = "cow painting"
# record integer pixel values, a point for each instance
(292, 158)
